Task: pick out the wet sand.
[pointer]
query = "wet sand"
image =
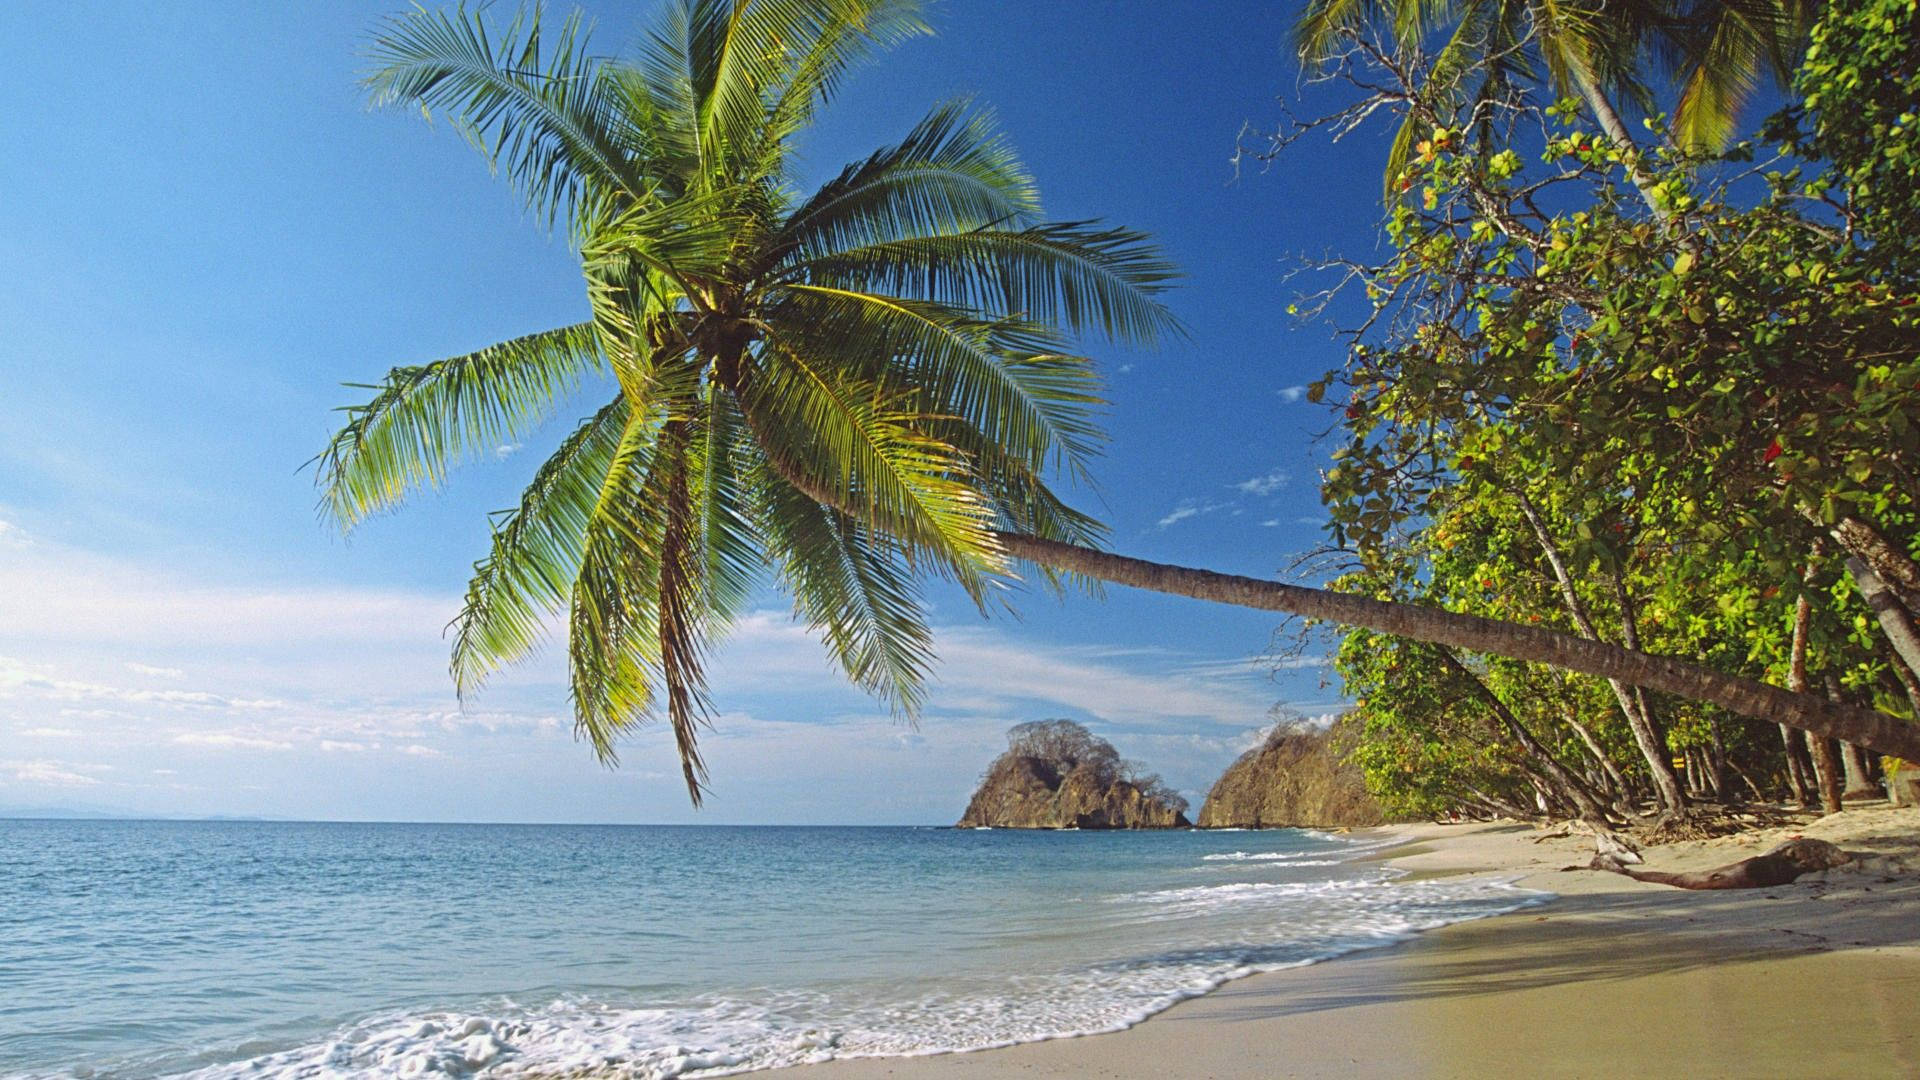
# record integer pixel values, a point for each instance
(1617, 978)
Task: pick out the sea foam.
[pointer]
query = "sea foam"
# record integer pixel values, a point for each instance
(838, 955)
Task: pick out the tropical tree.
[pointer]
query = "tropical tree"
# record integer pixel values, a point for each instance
(1698, 418)
(1715, 52)
(860, 388)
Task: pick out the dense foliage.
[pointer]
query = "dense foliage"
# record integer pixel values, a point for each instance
(1643, 394)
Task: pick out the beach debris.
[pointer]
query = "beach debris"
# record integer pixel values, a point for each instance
(1780, 866)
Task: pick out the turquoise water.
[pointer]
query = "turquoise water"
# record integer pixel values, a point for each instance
(142, 949)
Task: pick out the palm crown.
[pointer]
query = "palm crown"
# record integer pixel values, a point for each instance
(856, 388)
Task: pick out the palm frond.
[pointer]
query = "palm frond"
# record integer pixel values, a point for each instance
(730, 542)
(851, 588)
(613, 637)
(1745, 39)
(1069, 273)
(541, 113)
(953, 172)
(535, 553)
(1008, 379)
(761, 66)
(422, 421)
(680, 617)
(853, 442)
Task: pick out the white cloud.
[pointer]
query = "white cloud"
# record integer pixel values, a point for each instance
(1270, 523)
(48, 733)
(227, 740)
(1189, 509)
(16, 676)
(1180, 514)
(156, 672)
(505, 451)
(1264, 485)
(331, 746)
(50, 773)
(421, 751)
(1291, 394)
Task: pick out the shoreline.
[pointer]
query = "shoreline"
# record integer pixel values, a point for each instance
(1611, 977)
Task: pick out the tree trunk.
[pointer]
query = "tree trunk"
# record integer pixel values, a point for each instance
(1853, 760)
(1907, 682)
(1646, 732)
(1616, 780)
(1860, 785)
(1632, 707)
(1799, 762)
(1716, 755)
(1826, 762)
(1875, 730)
(1617, 133)
(1881, 732)
(1568, 786)
(1895, 567)
(1896, 622)
(1799, 769)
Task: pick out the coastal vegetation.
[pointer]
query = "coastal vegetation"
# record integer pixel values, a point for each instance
(1642, 393)
(1055, 774)
(873, 384)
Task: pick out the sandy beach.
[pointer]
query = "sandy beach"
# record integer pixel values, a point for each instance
(1616, 978)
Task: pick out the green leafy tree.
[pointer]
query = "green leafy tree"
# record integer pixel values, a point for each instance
(1712, 53)
(1690, 395)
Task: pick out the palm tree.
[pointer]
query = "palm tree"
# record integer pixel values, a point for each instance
(1714, 51)
(858, 388)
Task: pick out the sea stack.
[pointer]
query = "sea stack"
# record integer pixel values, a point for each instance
(1056, 774)
(1293, 778)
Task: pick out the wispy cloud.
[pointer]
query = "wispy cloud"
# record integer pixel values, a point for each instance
(47, 773)
(1291, 394)
(1264, 485)
(226, 740)
(1189, 509)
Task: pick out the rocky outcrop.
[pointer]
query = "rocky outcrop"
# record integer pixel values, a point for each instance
(1293, 779)
(1056, 775)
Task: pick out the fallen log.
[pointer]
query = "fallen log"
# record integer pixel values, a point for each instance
(1780, 866)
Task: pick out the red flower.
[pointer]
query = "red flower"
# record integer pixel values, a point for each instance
(1774, 450)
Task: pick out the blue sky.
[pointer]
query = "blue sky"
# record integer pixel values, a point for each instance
(205, 232)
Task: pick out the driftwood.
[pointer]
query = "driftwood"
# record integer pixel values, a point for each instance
(1777, 867)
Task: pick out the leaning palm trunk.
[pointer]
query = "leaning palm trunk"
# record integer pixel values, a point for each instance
(1869, 728)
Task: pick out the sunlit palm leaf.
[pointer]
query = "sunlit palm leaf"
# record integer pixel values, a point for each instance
(850, 588)
(1072, 273)
(422, 421)
(539, 112)
(536, 552)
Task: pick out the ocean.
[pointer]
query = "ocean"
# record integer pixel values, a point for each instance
(285, 949)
